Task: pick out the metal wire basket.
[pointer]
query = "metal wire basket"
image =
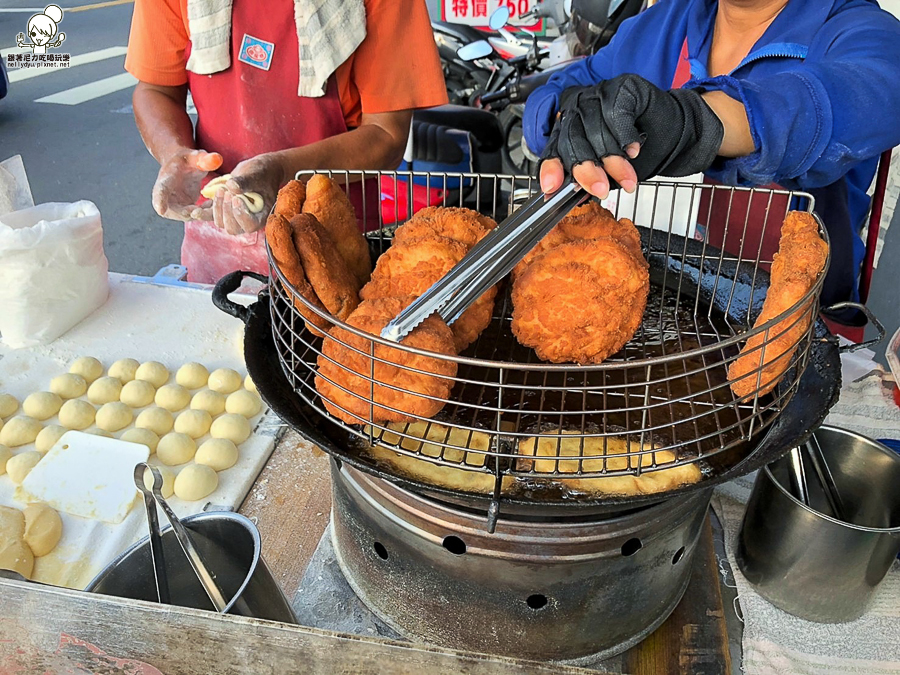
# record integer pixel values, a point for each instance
(666, 390)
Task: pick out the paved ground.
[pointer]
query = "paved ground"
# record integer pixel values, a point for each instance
(83, 144)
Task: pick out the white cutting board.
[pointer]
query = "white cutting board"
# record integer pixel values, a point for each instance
(170, 324)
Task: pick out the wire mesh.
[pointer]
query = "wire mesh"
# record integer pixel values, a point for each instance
(666, 390)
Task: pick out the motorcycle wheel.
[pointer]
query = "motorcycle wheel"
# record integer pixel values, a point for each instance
(514, 160)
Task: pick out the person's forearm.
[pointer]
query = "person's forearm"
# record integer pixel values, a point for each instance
(738, 141)
(162, 119)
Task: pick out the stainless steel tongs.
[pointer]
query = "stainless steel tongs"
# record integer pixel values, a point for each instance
(490, 260)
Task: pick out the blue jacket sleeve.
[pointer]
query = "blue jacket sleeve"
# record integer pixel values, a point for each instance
(811, 124)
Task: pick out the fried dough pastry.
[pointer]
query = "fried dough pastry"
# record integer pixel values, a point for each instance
(280, 236)
(800, 259)
(466, 226)
(341, 368)
(581, 301)
(330, 205)
(289, 201)
(331, 280)
(651, 482)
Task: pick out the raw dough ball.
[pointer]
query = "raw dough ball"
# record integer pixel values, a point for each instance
(104, 390)
(173, 397)
(168, 476)
(12, 523)
(88, 367)
(43, 529)
(124, 370)
(192, 375)
(175, 448)
(137, 393)
(42, 405)
(5, 454)
(217, 453)
(250, 385)
(196, 481)
(194, 423)
(211, 401)
(19, 430)
(8, 405)
(243, 402)
(235, 428)
(114, 416)
(48, 437)
(76, 414)
(154, 372)
(142, 436)
(157, 420)
(19, 465)
(225, 380)
(68, 385)
(16, 556)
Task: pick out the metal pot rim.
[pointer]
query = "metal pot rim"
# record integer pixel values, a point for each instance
(853, 526)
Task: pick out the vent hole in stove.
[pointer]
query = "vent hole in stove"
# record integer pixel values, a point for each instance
(380, 550)
(631, 546)
(678, 555)
(454, 544)
(536, 601)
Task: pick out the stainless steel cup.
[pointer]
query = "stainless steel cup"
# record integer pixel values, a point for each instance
(810, 564)
(230, 546)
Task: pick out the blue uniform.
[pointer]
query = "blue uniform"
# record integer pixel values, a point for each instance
(822, 94)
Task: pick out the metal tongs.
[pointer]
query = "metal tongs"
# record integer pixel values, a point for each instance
(489, 261)
(825, 487)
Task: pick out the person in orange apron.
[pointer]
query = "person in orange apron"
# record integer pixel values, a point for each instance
(251, 115)
(794, 93)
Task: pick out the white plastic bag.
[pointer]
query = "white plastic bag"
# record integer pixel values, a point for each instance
(53, 271)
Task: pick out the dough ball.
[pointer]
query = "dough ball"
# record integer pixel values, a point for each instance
(8, 405)
(12, 523)
(88, 367)
(16, 556)
(194, 423)
(175, 448)
(137, 393)
(243, 402)
(173, 397)
(69, 385)
(76, 414)
(114, 416)
(20, 430)
(43, 529)
(211, 401)
(196, 481)
(20, 465)
(104, 390)
(225, 380)
(168, 476)
(142, 436)
(157, 420)
(235, 428)
(154, 372)
(250, 385)
(5, 454)
(48, 436)
(217, 453)
(42, 405)
(192, 375)
(124, 370)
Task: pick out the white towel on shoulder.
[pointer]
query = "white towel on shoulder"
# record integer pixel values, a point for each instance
(328, 32)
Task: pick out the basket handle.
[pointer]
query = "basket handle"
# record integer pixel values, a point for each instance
(870, 317)
(229, 284)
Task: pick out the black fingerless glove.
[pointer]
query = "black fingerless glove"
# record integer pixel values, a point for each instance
(679, 133)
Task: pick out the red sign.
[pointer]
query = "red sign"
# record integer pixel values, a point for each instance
(477, 12)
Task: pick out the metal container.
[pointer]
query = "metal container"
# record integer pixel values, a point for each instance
(230, 546)
(808, 563)
(574, 588)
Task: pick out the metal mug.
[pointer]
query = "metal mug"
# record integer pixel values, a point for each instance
(810, 564)
(229, 544)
